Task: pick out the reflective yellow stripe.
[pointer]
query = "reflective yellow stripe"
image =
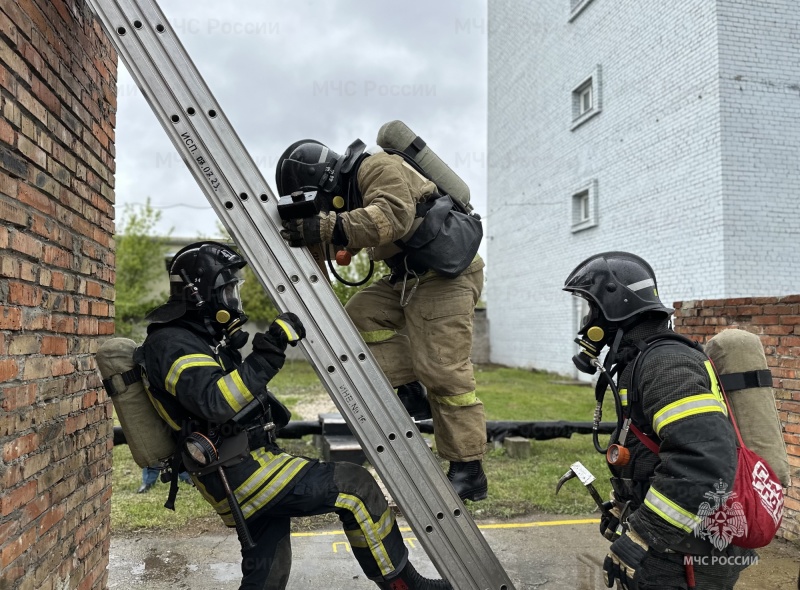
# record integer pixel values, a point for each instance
(162, 412)
(464, 399)
(623, 396)
(284, 476)
(371, 530)
(234, 390)
(382, 528)
(688, 406)
(291, 335)
(670, 511)
(183, 363)
(269, 465)
(377, 336)
(715, 384)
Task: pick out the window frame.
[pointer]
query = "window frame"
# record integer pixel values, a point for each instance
(576, 7)
(583, 204)
(591, 83)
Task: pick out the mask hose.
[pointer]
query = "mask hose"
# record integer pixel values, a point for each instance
(606, 379)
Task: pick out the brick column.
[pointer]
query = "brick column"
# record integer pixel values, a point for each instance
(58, 98)
(776, 320)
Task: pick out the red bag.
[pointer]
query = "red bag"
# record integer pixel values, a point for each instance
(751, 514)
(760, 493)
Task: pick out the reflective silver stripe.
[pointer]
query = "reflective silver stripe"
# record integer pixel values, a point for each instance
(383, 528)
(637, 286)
(286, 474)
(269, 465)
(183, 363)
(623, 396)
(370, 530)
(683, 408)
(234, 390)
(671, 512)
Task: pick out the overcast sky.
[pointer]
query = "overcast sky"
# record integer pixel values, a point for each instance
(332, 70)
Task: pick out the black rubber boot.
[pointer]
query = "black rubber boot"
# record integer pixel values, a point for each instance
(415, 400)
(468, 479)
(409, 579)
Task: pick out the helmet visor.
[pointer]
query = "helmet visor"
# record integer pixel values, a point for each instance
(228, 287)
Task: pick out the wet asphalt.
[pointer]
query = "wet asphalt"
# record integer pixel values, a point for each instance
(542, 552)
(545, 552)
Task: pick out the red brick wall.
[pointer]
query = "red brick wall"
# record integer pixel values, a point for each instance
(57, 97)
(776, 320)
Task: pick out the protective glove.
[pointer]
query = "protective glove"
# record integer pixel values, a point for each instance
(625, 561)
(269, 346)
(309, 230)
(285, 329)
(288, 329)
(609, 522)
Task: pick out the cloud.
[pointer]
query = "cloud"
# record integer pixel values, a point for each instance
(332, 71)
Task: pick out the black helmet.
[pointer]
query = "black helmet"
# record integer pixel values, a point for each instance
(620, 284)
(619, 287)
(204, 277)
(310, 165)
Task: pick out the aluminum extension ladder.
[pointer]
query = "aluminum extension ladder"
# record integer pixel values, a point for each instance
(244, 202)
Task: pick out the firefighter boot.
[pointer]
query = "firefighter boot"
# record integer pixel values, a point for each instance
(409, 579)
(415, 400)
(468, 480)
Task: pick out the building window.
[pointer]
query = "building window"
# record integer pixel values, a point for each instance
(584, 206)
(586, 101)
(576, 7)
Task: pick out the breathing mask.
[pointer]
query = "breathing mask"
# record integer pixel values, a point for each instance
(593, 335)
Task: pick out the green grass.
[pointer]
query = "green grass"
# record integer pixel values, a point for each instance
(516, 487)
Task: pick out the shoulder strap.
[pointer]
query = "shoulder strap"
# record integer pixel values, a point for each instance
(647, 345)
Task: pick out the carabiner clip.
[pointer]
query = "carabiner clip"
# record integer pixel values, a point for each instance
(403, 301)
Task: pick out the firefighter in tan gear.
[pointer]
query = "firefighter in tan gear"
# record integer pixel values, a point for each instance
(653, 521)
(383, 196)
(198, 382)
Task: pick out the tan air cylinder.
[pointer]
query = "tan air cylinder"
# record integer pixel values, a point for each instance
(737, 351)
(398, 136)
(149, 437)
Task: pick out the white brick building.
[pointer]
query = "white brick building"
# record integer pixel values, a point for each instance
(687, 154)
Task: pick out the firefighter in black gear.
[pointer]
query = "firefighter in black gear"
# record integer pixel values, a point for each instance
(676, 403)
(198, 382)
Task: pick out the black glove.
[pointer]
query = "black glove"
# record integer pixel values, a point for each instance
(626, 561)
(269, 346)
(609, 522)
(309, 230)
(287, 329)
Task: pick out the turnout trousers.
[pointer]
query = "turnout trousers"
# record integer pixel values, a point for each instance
(352, 493)
(430, 340)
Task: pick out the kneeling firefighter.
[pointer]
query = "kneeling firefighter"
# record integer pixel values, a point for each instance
(672, 406)
(379, 199)
(201, 386)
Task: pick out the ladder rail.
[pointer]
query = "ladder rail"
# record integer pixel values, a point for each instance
(171, 84)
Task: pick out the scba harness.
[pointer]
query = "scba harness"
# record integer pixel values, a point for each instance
(755, 508)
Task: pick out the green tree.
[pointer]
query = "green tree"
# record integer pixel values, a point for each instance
(140, 266)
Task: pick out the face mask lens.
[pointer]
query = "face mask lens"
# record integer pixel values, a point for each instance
(231, 295)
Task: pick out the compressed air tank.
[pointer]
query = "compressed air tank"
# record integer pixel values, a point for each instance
(739, 358)
(397, 135)
(149, 438)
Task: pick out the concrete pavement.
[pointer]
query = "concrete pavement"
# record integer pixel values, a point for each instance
(540, 552)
